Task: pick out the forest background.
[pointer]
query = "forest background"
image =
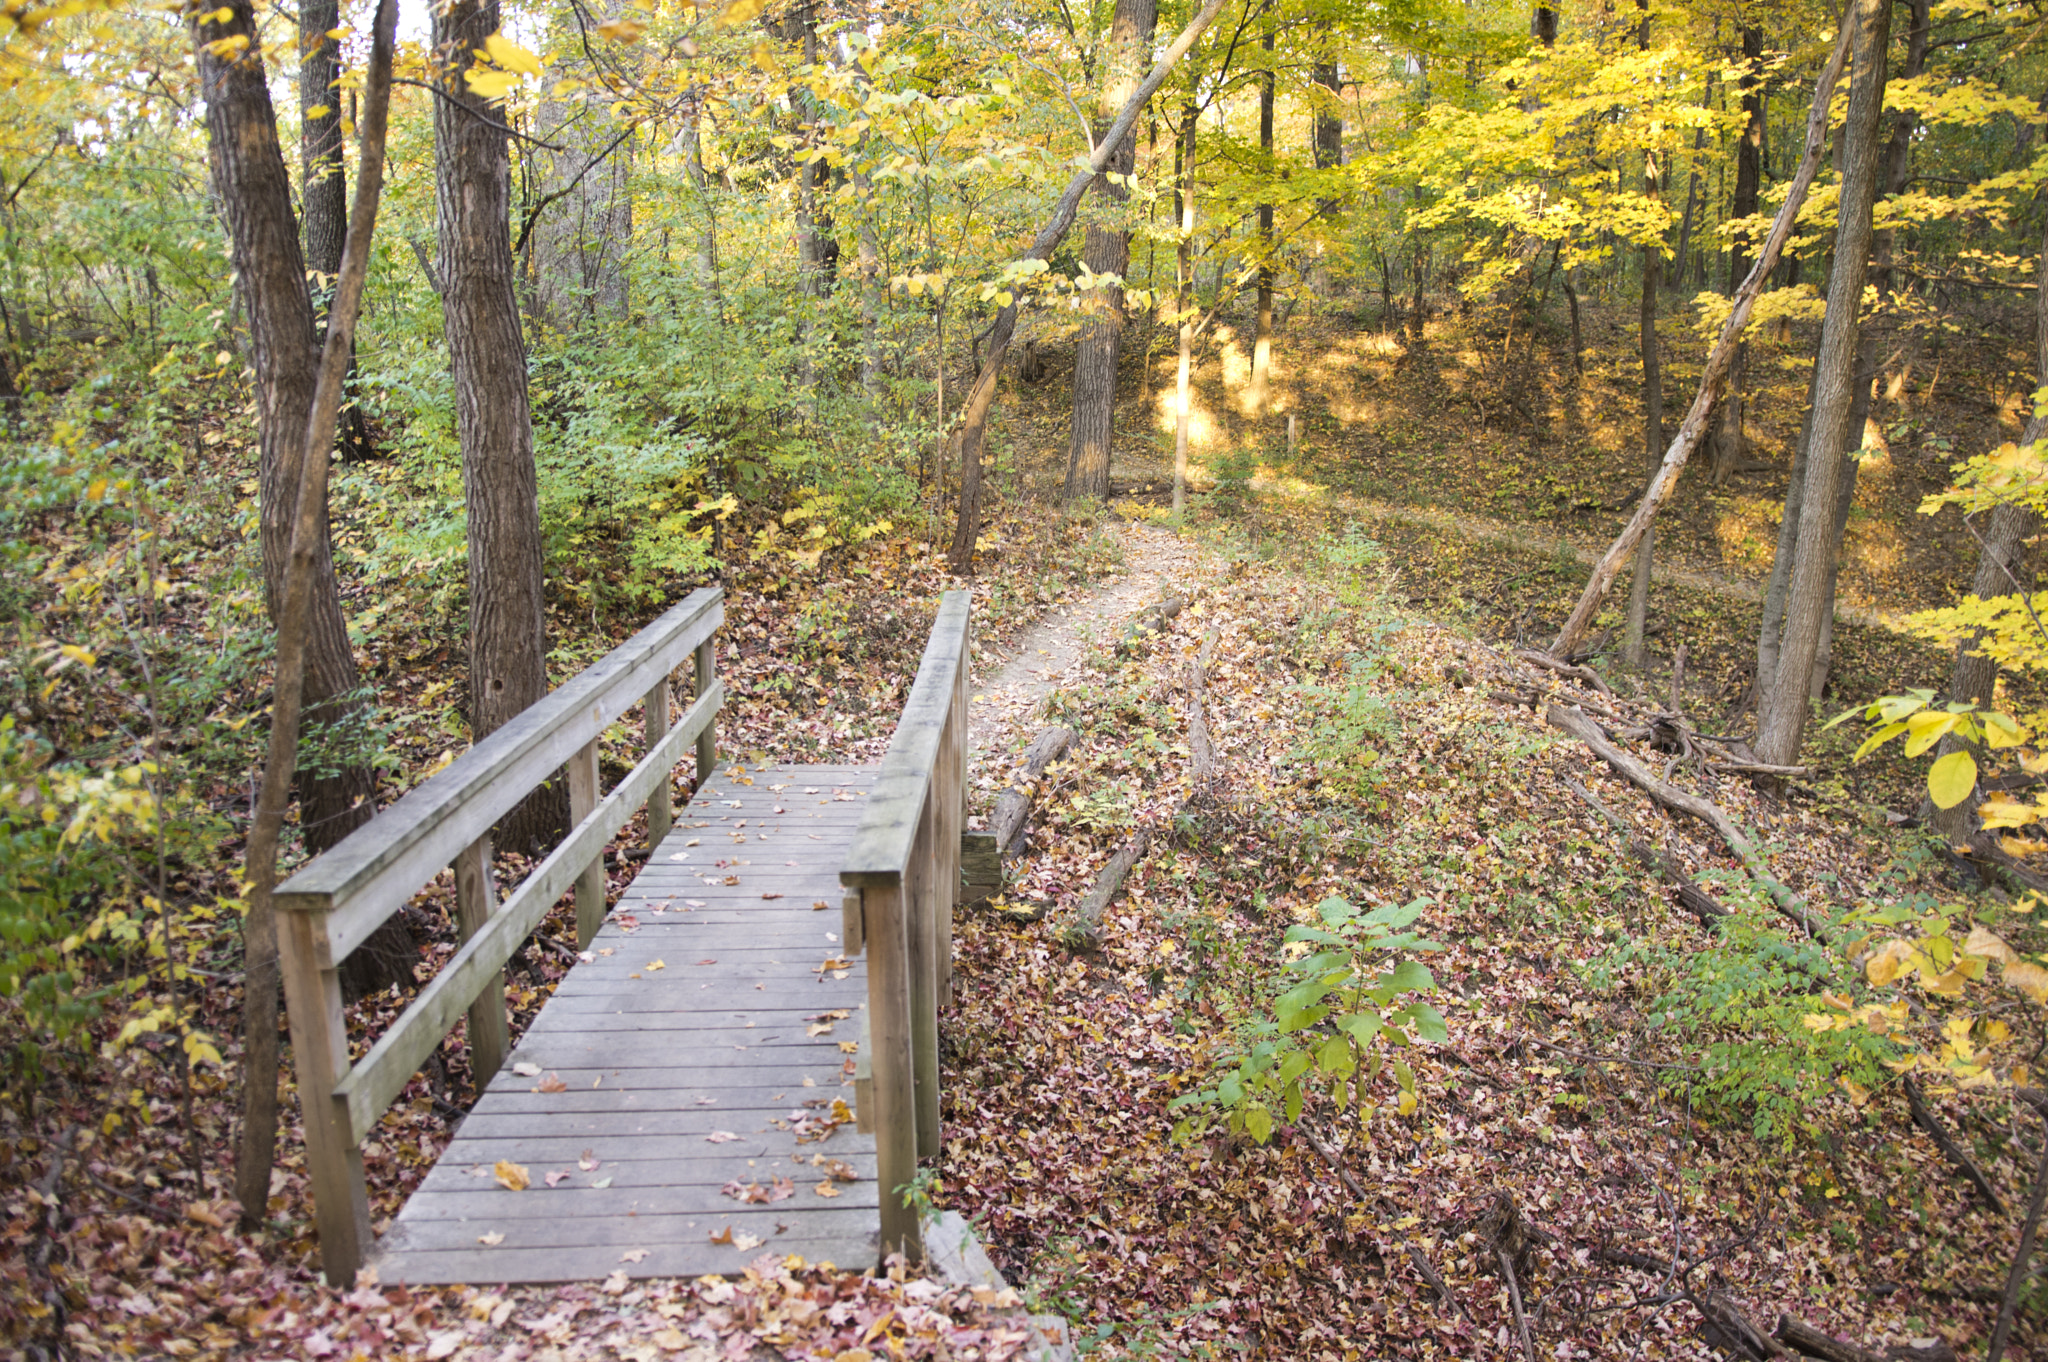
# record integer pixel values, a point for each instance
(1392, 310)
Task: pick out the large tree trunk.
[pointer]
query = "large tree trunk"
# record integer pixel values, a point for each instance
(256, 193)
(1898, 160)
(487, 354)
(1784, 704)
(1262, 333)
(1107, 251)
(323, 180)
(1748, 185)
(1329, 122)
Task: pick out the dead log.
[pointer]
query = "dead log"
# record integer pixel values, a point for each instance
(1551, 664)
(1691, 897)
(1147, 622)
(1086, 933)
(1013, 806)
(1959, 1158)
(1803, 1338)
(1671, 797)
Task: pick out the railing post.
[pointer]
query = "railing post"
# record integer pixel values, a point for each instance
(590, 882)
(661, 805)
(707, 741)
(476, 898)
(334, 1161)
(883, 913)
(920, 891)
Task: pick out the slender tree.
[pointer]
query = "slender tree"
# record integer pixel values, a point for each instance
(1262, 328)
(1782, 711)
(1107, 251)
(1727, 442)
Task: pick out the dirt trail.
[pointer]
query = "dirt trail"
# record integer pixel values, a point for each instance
(1007, 705)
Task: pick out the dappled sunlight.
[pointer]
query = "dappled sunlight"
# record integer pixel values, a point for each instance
(1747, 533)
(1202, 427)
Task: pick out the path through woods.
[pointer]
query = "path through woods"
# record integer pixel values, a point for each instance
(1007, 705)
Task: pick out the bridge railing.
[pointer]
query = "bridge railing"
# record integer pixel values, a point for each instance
(338, 900)
(902, 877)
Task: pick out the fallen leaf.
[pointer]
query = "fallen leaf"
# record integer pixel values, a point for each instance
(633, 1255)
(659, 964)
(551, 1084)
(708, 960)
(491, 1240)
(526, 1070)
(747, 1241)
(820, 906)
(615, 1285)
(720, 1137)
(557, 1177)
(511, 1176)
(771, 896)
(601, 1184)
(827, 1189)
(588, 1163)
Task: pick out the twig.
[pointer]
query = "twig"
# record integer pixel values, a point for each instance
(1925, 1117)
(1507, 1269)
(2003, 1332)
(1698, 901)
(1415, 1253)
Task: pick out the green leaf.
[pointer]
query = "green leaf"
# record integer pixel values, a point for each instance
(1879, 738)
(1295, 1065)
(1410, 976)
(1258, 1122)
(1293, 1101)
(1361, 1028)
(1428, 1023)
(1336, 1057)
(1230, 1091)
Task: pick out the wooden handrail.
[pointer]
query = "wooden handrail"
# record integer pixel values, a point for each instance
(902, 873)
(336, 902)
(378, 867)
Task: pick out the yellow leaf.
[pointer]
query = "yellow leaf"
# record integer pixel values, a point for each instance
(1987, 944)
(2003, 811)
(738, 12)
(1857, 1092)
(1949, 985)
(511, 1176)
(511, 56)
(491, 85)
(1926, 729)
(1950, 780)
(1884, 965)
(2029, 978)
(319, 111)
(622, 30)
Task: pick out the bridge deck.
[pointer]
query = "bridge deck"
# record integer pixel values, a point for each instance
(693, 1019)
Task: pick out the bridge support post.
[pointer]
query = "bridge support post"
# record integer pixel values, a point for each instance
(334, 1161)
(476, 898)
(583, 795)
(661, 805)
(889, 988)
(921, 893)
(707, 741)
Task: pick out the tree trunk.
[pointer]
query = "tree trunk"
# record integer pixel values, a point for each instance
(1184, 302)
(1329, 123)
(707, 233)
(234, 88)
(487, 355)
(1262, 334)
(255, 192)
(1748, 186)
(1653, 447)
(580, 224)
(1107, 251)
(323, 180)
(1783, 705)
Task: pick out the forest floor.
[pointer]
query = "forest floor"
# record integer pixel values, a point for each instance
(1642, 1090)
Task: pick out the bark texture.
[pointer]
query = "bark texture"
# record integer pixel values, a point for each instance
(1783, 705)
(249, 173)
(487, 354)
(1107, 250)
(1262, 330)
(323, 180)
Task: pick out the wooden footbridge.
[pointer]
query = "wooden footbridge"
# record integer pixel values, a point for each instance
(745, 1058)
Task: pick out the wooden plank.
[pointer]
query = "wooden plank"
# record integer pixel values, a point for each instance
(882, 846)
(485, 1266)
(377, 867)
(490, 1034)
(661, 805)
(623, 1231)
(864, 1079)
(921, 892)
(590, 885)
(752, 1163)
(572, 1208)
(377, 1079)
(703, 1093)
(952, 817)
(562, 1151)
(700, 1121)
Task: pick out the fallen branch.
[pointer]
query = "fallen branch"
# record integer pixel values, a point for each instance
(1925, 1117)
(1715, 374)
(1691, 897)
(1415, 1253)
(1147, 622)
(1802, 1337)
(2018, 1276)
(1671, 797)
(1086, 933)
(1549, 663)
(1013, 806)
